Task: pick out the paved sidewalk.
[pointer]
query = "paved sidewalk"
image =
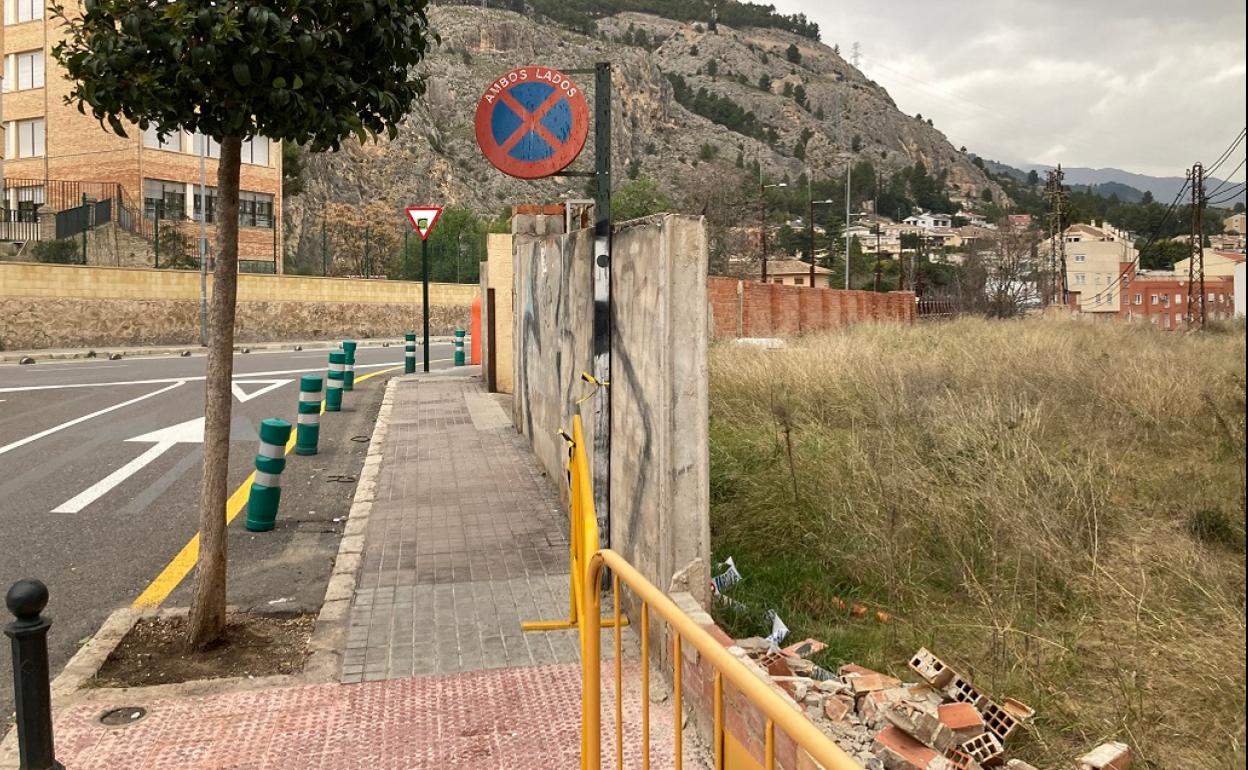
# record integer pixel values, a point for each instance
(465, 540)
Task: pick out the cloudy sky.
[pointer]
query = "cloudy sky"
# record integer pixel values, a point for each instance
(1149, 86)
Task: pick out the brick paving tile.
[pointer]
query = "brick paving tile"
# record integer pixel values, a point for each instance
(466, 540)
(503, 718)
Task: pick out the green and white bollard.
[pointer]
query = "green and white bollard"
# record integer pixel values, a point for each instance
(333, 385)
(308, 432)
(409, 354)
(459, 347)
(266, 490)
(348, 380)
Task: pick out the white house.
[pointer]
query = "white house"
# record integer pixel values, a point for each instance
(929, 220)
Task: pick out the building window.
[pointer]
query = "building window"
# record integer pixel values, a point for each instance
(26, 201)
(172, 141)
(197, 146)
(1178, 299)
(23, 71)
(1139, 299)
(256, 151)
(18, 11)
(1165, 300)
(168, 199)
(799, 281)
(26, 138)
(1080, 279)
(1081, 257)
(255, 209)
(1211, 296)
(1152, 299)
(211, 194)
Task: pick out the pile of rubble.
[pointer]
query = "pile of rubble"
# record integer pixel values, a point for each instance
(941, 723)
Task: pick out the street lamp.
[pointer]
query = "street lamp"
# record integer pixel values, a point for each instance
(811, 231)
(762, 197)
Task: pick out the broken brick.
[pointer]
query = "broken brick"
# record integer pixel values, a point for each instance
(854, 668)
(776, 665)
(883, 617)
(998, 721)
(805, 648)
(901, 751)
(931, 668)
(1017, 709)
(871, 682)
(873, 705)
(922, 723)
(962, 691)
(1018, 764)
(985, 748)
(836, 709)
(960, 760)
(1107, 756)
(963, 719)
(858, 611)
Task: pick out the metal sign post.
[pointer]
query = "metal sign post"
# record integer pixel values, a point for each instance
(423, 218)
(531, 123)
(602, 299)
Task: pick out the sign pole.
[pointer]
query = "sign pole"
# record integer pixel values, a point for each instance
(602, 299)
(424, 293)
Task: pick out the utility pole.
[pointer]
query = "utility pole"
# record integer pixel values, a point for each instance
(1196, 263)
(875, 211)
(849, 174)
(1055, 192)
(762, 200)
(203, 241)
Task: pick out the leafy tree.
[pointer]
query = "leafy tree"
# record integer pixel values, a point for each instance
(707, 152)
(799, 150)
(793, 54)
(1033, 178)
(292, 170)
(310, 72)
(799, 95)
(633, 168)
(986, 195)
(819, 114)
(788, 90)
(63, 252)
(856, 144)
(712, 68)
(638, 198)
(1239, 208)
(1148, 197)
(693, 50)
(764, 82)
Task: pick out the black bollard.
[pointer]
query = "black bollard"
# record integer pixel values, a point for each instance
(32, 693)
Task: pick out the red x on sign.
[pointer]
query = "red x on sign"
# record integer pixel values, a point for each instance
(532, 122)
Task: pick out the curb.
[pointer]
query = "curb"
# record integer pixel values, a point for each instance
(102, 354)
(324, 646)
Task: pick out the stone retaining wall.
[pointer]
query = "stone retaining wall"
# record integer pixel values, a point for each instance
(49, 306)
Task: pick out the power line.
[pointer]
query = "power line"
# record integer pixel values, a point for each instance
(1229, 150)
(1225, 182)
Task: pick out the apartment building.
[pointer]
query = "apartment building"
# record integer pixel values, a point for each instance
(1161, 298)
(1094, 257)
(50, 148)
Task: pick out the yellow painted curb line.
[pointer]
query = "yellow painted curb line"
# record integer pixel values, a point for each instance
(176, 570)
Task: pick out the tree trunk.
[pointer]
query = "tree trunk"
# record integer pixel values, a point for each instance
(207, 619)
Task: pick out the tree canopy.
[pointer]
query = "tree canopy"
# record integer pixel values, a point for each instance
(310, 72)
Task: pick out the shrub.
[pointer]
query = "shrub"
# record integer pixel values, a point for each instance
(66, 251)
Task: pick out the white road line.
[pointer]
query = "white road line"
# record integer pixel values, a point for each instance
(54, 429)
(196, 378)
(106, 484)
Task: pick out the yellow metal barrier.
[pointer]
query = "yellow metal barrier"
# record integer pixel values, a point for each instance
(583, 532)
(587, 565)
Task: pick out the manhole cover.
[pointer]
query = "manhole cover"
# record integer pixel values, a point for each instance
(120, 717)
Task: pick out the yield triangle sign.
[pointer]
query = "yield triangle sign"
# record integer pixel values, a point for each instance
(266, 385)
(423, 218)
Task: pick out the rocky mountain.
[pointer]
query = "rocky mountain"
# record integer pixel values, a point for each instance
(689, 103)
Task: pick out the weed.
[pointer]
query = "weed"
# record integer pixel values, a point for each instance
(1013, 494)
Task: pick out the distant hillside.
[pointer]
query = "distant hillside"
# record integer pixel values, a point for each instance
(1163, 188)
(1124, 192)
(696, 112)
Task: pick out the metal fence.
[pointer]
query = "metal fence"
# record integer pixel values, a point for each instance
(347, 250)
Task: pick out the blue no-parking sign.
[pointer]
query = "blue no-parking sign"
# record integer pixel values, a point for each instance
(532, 122)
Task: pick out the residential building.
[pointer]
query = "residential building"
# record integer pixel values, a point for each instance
(1095, 255)
(973, 219)
(1235, 224)
(792, 272)
(1019, 221)
(55, 155)
(1160, 298)
(1217, 262)
(927, 220)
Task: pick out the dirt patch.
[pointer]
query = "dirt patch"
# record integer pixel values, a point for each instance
(154, 652)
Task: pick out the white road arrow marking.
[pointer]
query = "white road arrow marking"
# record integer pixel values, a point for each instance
(189, 432)
(243, 396)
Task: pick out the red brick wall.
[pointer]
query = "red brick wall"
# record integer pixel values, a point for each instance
(770, 310)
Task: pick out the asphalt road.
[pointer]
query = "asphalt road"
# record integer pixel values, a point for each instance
(97, 515)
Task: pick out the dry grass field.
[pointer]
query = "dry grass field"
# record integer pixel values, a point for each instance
(1055, 507)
